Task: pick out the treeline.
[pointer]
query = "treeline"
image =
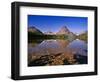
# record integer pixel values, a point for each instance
(32, 36)
(83, 36)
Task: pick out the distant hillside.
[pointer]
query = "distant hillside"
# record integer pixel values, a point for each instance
(83, 36)
(34, 31)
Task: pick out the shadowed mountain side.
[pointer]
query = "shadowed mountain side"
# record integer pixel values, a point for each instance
(34, 31)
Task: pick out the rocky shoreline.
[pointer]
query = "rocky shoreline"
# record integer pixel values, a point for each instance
(56, 59)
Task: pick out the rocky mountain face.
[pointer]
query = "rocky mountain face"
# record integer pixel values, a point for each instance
(63, 30)
(34, 31)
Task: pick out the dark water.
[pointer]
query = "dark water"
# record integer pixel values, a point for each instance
(57, 52)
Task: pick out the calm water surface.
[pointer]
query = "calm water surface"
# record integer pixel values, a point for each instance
(61, 52)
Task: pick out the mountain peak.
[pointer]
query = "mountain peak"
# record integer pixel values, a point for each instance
(64, 27)
(63, 30)
(34, 30)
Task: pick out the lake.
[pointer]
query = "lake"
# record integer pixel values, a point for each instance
(57, 52)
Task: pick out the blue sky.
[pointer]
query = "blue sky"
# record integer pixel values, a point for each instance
(54, 23)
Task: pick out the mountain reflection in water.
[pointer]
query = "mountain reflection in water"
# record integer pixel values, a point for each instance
(57, 52)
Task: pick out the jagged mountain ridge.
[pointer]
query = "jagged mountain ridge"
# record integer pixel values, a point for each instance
(34, 30)
(63, 31)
